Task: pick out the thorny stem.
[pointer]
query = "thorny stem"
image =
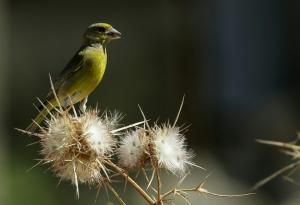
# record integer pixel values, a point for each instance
(115, 193)
(200, 190)
(275, 174)
(279, 144)
(147, 198)
(159, 201)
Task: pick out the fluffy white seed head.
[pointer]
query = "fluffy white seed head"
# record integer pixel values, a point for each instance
(57, 138)
(76, 147)
(131, 152)
(170, 149)
(97, 134)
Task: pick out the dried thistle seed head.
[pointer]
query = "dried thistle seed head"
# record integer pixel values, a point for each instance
(97, 133)
(131, 152)
(170, 149)
(76, 147)
(56, 139)
(111, 118)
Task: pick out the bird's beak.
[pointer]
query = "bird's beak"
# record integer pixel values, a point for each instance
(113, 33)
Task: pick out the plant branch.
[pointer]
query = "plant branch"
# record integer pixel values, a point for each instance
(147, 198)
(275, 174)
(279, 144)
(158, 181)
(199, 189)
(120, 200)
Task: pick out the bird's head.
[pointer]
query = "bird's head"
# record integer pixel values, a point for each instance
(100, 33)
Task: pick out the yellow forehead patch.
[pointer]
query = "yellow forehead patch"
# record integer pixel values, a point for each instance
(104, 25)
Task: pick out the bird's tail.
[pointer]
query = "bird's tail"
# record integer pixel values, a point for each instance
(44, 111)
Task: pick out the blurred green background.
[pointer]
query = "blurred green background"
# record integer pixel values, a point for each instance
(237, 62)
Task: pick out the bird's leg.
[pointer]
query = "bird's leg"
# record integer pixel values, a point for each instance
(83, 104)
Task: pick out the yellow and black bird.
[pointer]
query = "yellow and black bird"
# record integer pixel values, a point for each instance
(82, 74)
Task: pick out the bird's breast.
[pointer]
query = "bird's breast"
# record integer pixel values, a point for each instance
(88, 77)
(94, 64)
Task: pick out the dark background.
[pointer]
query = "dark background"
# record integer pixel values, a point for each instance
(236, 61)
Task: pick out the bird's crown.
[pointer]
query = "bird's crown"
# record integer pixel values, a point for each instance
(100, 33)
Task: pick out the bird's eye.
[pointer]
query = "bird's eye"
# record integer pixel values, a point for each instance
(100, 29)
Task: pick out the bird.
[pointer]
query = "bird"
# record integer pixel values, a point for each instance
(81, 75)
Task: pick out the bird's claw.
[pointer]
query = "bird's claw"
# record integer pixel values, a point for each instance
(83, 105)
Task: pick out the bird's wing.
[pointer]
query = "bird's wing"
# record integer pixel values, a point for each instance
(73, 66)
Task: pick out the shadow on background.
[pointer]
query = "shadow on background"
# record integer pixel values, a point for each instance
(237, 62)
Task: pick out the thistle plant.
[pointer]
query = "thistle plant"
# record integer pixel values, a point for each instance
(92, 148)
